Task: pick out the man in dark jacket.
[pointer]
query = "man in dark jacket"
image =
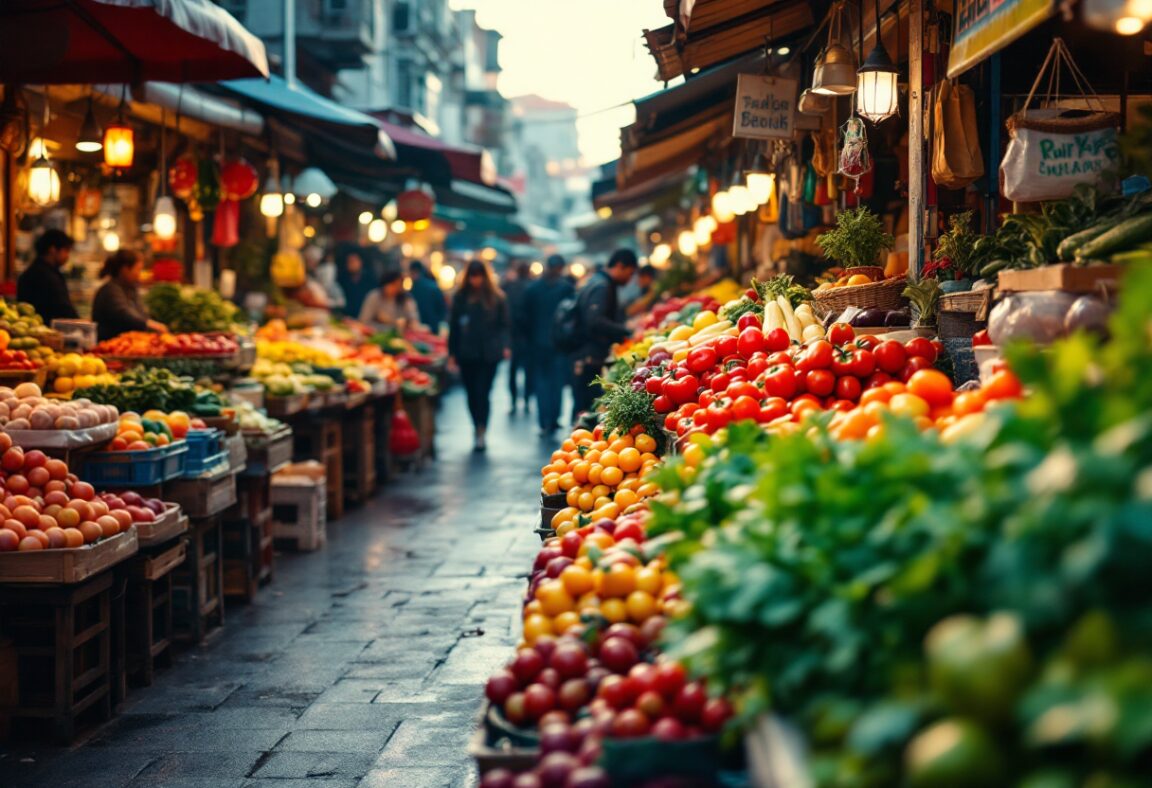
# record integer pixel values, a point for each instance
(429, 298)
(602, 324)
(549, 368)
(42, 285)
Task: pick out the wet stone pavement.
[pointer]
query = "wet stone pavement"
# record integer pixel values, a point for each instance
(360, 665)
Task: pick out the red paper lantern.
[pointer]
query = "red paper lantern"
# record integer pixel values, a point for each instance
(414, 205)
(238, 180)
(182, 176)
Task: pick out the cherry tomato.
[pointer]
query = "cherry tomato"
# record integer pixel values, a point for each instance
(820, 382)
(750, 342)
(781, 381)
(818, 355)
(841, 334)
(890, 356)
(776, 340)
(868, 341)
(843, 405)
(749, 320)
(671, 420)
(921, 347)
(1003, 385)
(849, 388)
(877, 379)
(914, 365)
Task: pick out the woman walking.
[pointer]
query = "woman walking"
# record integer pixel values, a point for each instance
(478, 340)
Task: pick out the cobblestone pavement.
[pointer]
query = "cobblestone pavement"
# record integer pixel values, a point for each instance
(360, 665)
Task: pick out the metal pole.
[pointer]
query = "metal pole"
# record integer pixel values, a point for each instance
(290, 42)
(916, 169)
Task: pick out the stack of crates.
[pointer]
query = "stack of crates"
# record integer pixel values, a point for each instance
(299, 505)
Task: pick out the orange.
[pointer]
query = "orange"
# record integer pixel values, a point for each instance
(855, 425)
(550, 486)
(592, 455)
(647, 490)
(612, 476)
(645, 442)
(567, 482)
(535, 626)
(630, 460)
(625, 498)
(932, 386)
(618, 581)
(610, 459)
(968, 402)
(580, 471)
(609, 511)
(878, 394)
(1003, 385)
(586, 501)
(554, 598)
(641, 606)
(577, 580)
(615, 610)
(595, 473)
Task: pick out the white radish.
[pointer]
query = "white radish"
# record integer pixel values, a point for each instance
(773, 317)
(813, 332)
(790, 321)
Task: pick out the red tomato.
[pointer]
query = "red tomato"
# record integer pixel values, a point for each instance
(804, 403)
(654, 385)
(671, 421)
(727, 346)
(777, 340)
(745, 408)
(863, 363)
(720, 382)
(682, 390)
(914, 365)
(849, 388)
(772, 409)
(818, 355)
(749, 320)
(752, 295)
(718, 417)
(750, 342)
(820, 382)
(932, 386)
(757, 365)
(868, 341)
(780, 357)
(890, 356)
(743, 389)
(701, 359)
(920, 347)
(841, 334)
(877, 379)
(781, 381)
(662, 404)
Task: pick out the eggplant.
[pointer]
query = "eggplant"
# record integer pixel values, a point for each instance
(898, 318)
(869, 318)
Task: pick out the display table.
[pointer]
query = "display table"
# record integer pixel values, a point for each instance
(198, 583)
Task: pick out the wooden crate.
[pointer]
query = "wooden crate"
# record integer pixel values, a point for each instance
(198, 583)
(359, 439)
(254, 509)
(283, 407)
(68, 565)
(237, 453)
(299, 514)
(148, 611)
(164, 528)
(203, 497)
(1062, 276)
(321, 438)
(244, 558)
(268, 453)
(62, 638)
(492, 751)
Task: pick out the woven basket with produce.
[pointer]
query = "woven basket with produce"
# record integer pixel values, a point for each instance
(857, 243)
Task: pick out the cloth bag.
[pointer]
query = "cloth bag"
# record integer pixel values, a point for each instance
(1053, 150)
(956, 157)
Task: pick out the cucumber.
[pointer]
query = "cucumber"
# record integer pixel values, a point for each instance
(1067, 248)
(1129, 233)
(993, 268)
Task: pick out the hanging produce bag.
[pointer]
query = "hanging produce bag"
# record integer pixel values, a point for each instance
(855, 161)
(404, 439)
(226, 224)
(810, 184)
(956, 157)
(1053, 150)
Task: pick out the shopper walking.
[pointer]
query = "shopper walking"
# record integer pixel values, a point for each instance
(549, 368)
(602, 324)
(42, 285)
(429, 298)
(389, 307)
(515, 286)
(478, 339)
(116, 308)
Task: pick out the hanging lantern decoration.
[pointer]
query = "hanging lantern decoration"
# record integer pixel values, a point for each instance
(226, 224)
(877, 90)
(90, 139)
(722, 207)
(164, 218)
(414, 205)
(686, 243)
(272, 200)
(835, 73)
(760, 180)
(855, 161)
(207, 191)
(238, 180)
(703, 229)
(182, 176)
(88, 199)
(43, 181)
(741, 202)
(119, 145)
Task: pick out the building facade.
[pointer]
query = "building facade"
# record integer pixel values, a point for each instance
(550, 177)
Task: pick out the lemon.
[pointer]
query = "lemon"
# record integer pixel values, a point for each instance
(63, 385)
(90, 365)
(704, 319)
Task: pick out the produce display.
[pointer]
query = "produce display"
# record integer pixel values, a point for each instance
(26, 408)
(46, 507)
(253, 420)
(144, 389)
(145, 344)
(599, 476)
(191, 309)
(284, 380)
(155, 428)
(72, 371)
(21, 330)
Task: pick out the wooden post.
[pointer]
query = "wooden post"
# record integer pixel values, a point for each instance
(8, 220)
(917, 172)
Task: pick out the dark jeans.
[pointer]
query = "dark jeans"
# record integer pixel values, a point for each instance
(549, 374)
(477, 377)
(584, 390)
(521, 360)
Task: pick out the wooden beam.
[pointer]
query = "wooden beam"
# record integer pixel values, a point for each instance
(917, 172)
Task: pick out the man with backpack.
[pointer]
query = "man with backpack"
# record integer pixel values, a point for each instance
(549, 367)
(596, 315)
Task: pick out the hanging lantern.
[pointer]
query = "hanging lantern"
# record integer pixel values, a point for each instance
(88, 199)
(238, 180)
(722, 207)
(1125, 17)
(110, 241)
(182, 176)
(740, 199)
(90, 140)
(164, 218)
(43, 181)
(812, 103)
(835, 73)
(272, 201)
(759, 180)
(703, 228)
(119, 145)
(877, 91)
(686, 243)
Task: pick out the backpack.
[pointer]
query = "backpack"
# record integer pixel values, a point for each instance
(567, 325)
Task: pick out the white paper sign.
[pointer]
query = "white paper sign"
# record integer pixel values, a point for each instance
(765, 107)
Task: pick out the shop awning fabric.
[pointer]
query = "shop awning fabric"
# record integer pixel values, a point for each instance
(439, 161)
(51, 42)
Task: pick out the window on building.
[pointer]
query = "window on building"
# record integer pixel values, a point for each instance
(404, 84)
(402, 18)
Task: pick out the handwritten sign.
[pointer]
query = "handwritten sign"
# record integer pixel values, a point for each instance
(765, 107)
(983, 27)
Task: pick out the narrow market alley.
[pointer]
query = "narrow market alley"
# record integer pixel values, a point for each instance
(363, 664)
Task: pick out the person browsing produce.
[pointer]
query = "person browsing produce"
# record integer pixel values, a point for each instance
(600, 319)
(42, 284)
(389, 306)
(478, 330)
(117, 308)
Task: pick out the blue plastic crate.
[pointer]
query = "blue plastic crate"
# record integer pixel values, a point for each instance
(204, 444)
(121, 469)
(199, 466)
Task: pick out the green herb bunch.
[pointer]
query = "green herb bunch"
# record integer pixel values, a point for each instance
(857, 240)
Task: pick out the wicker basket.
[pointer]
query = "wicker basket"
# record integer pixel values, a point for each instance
(878, 295)
(873, 272)
(967, 301)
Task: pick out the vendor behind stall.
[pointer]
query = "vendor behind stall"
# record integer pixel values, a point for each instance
(42, 285)
(390, 307)
(117, 308)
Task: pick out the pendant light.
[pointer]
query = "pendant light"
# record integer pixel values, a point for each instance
(272, 200)
(835, 73)
(1125, 17)
(877, 90)
(377, 230)
(119, 140)
(741, 201)
(703, 228)
(43, 180)
(686, 243)
(759, 179)
(164, 214)
(91, 139)
(722, 207)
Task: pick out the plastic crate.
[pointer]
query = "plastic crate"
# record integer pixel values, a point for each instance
(136, 468)
(206, 451)
(299, 513)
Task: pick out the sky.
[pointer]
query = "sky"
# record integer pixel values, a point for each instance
(589, 53)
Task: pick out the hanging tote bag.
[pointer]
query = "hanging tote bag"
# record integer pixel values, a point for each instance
(956, 157)
(1053, 150)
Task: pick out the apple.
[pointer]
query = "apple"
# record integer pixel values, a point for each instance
(574, 694)
(551, 678)
(715, 715)
(131, 498)
(30, 543)
(588, 777)
(155, 505)
(557, 565)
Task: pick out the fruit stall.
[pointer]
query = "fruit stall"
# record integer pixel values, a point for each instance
(789, 549)
(150, 481)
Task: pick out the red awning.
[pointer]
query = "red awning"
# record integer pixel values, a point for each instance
(48, 42)
(464, 163)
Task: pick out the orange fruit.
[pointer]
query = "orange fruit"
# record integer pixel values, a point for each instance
(630, 460)
(1003, 385)
(535, 626)
(612, 476)
(625, 498)
(595, 473)
(641, 606)
(580, 471)
(618, 581)
(586, 501)
(610, 459)
(932, 386)
(577, 580)
(645, 442)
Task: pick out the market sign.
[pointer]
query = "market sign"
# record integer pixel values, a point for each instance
(765, 107)
(984, 27)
